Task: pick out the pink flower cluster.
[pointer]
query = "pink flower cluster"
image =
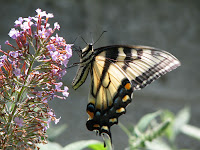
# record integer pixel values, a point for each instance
(30, 76)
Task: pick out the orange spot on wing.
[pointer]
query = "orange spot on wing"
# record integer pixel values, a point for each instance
(105, 128)
(120, 110)
(128, 86)
(125, 98)
(90, 114)
(113, 120)
(96, 125)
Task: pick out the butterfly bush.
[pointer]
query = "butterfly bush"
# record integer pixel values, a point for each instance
(30, 76)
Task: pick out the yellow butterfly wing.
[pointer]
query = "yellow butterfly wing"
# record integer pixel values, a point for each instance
(116, 71)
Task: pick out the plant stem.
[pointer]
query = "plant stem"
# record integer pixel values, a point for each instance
(21, 92)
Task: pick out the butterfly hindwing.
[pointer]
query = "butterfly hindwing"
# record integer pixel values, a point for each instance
(116, 71)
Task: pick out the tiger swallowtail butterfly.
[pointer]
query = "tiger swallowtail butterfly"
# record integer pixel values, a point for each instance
(116, 71)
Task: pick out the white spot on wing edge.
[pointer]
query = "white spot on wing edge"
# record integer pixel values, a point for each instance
(134, 54)
(121, 54)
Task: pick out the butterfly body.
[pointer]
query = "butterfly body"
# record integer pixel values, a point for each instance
(116, 71)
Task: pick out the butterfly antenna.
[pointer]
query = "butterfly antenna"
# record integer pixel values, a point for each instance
(76, 39)
(77, 50)
(99, 37)
(91, 37)
(84, 40)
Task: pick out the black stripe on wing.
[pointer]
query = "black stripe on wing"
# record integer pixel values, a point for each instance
(107, 64)
(157, 62)
(161, 63)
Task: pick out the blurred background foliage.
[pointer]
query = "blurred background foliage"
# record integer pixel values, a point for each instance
(154, 131)
(172, 25)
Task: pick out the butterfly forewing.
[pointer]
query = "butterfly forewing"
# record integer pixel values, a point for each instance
(116, 71)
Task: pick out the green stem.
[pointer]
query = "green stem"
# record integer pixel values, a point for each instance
(124, 129)
(21, 91)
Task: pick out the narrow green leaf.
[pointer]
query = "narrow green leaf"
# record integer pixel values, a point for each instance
(146, 120)
(181, 119)
(80, 145)
(191, 131)
(98, 146)
(159, 129)
(50, 146)
(168, 115)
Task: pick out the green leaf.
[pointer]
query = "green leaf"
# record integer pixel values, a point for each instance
(157, 144)
(50, 146)
(55, 131)
(191, 131)
(146, 120)
(160, 128)
(149, 135)
(167, 115)
(98, 146)
(81, 144)
(181, 119)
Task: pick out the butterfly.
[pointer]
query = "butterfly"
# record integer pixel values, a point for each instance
(116, 72)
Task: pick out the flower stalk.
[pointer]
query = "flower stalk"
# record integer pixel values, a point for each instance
(30, 76)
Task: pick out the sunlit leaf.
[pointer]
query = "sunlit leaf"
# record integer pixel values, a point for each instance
(81, 144)
(191, 131)
(157, 144)
(181, 119)
(98, 146)
(50, 146)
